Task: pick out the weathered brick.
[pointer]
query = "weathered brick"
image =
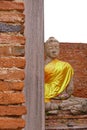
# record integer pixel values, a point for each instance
(12, 50)
(11, 85)
(11, 98)
(80, 84)
(18, 50)
(7, 5)
(12, 62)
(11, 17)
(4, 50)
(61, 121)
(11, 74)
(12, 110)
(11, 39)
(5, 27)
(13, 129)
(11, 123)
(76, 55)
(7, 0)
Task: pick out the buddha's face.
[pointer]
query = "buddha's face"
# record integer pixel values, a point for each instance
(52, 49)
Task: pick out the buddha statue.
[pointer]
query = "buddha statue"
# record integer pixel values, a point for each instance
(58, 74)
(59, 81)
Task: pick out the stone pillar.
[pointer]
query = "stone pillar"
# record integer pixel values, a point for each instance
(34, 80)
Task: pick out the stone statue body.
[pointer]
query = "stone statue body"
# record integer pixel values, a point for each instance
(59, 82)
(58, 74)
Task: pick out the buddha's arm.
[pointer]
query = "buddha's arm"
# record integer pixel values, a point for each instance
(67, 92)
(70, 87)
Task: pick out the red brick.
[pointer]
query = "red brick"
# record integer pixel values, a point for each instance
(7, 0)
(12, 62)
(11, 123)
(12, 110)
(11, 17)
(11, 39)
(18, 50)
(7, 5)
(12, 50)
(13, 129)
(76, 55)
(11, 98)
(11, 74)
(11, 86)
(4, 50)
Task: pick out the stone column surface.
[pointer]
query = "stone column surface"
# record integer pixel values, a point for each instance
(34, 80)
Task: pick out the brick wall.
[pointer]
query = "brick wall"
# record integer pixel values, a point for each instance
(12, 64)
(76, 55)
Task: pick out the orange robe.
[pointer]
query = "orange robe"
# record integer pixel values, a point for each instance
(57, 77)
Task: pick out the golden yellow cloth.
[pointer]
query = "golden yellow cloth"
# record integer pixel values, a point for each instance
(57, 77)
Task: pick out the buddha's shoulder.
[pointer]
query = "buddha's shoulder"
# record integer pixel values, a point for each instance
(64, 63)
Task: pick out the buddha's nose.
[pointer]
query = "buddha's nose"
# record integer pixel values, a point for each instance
(53, 51)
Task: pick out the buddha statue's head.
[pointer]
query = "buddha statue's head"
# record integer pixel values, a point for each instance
(51, 48)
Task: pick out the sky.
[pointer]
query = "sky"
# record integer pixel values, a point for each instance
(66, 20)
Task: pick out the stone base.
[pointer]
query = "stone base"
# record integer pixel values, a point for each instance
(72, 115)
(67, 128)
(64, 120)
